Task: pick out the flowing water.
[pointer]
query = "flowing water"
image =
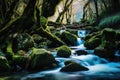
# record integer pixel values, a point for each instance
(99, 68)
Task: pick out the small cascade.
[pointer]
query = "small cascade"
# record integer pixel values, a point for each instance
(90, 59)
(82, 33)
(79, 41)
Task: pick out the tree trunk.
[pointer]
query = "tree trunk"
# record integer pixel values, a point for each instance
(25, 23)
(96, 8)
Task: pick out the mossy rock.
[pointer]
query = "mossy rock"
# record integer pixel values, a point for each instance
(41, 59)
(110, 54)
(4, 66)
(63, 51)
(110, 45)
(92, 43)
(72, 67)
(68, 38)
(96, 34)
(20, 61)
(109, 34)
(22, 41)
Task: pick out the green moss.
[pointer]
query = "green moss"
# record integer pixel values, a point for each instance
(9, 49)
(4, 66)
(68, 38)
(63, 51)
(92, 43)
(41, 58)
(43, 20)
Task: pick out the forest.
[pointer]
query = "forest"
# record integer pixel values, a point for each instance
(47, 39)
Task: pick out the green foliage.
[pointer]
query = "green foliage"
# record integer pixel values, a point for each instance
(111, 21)
(63, 51)
(4, 66)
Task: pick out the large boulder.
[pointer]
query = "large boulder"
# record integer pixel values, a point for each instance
(63, 51)
(71, 66)
(22, 41)
(109, 45)
(4, 66)
(92, 43)
(41, 59)
(110, 54)
(68, 38)
(109, 34)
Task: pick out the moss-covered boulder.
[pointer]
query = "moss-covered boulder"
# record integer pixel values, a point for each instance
(109, 45)
(109, 34)
(41, 59)
(22, 41)
(81, 52)
(20, 61)
(68, 38)
(4, 66)
(110, 54)
(71, 66)
(63, 51)
(92, 43)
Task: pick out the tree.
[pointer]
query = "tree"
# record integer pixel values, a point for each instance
(66, 8)
(29, 22)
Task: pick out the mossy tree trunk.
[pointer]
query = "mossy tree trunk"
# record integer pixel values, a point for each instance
(25, 23)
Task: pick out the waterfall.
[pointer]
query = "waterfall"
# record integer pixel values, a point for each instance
(79, 41)
(82, 33)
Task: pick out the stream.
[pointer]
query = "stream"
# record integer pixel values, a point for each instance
(99, 68)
